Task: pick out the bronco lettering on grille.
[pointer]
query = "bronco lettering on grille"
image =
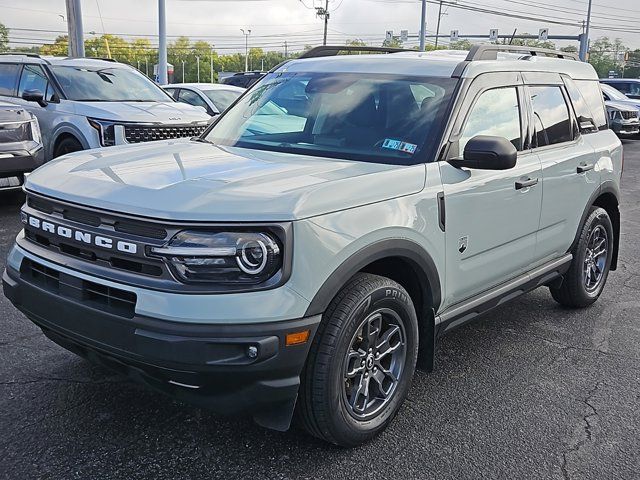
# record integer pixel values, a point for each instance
(83, 237)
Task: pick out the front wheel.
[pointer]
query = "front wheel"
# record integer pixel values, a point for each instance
(361, 362)
(587, 275)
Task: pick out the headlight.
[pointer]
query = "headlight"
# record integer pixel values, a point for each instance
(223, 258)
(35, 131)
(106, 131)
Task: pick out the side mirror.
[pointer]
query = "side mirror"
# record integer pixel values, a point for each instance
(486, 152)
(34, 96)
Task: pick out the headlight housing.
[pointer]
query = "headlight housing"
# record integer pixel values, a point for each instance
(228, 258)
(106, 131)
(35, 131)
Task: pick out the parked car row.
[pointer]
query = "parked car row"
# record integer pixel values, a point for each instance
(84, 103)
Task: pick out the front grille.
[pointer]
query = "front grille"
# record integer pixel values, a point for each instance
(93, 219)
(101, 297)
(147, 133)
(627, 115)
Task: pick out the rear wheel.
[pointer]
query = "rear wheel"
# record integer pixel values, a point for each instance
(67, 145)
(587, 275)
(361, 362)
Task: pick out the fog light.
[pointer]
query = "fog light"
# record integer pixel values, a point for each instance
(297, 338)
(252, 352)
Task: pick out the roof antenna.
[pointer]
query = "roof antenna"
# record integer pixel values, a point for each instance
(513, 36)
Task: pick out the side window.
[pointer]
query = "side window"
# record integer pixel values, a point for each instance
(34, 78)
(551, 116)
(496, 112)
(8, 78)
(172, 92)
(192, 98)
(580, 108)
(592, 94)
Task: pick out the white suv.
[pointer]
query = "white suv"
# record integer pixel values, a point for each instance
(310, 248)
(84, 103)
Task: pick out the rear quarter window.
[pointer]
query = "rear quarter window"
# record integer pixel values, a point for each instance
(8, 78)
(592, 94)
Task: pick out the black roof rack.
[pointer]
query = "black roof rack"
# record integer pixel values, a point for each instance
(490, 52)
(94, 58)
(24, 54)
(333, 50)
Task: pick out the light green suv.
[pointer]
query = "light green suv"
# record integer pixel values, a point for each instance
(308, 250)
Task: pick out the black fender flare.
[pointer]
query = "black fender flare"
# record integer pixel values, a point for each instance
(608, 186)
(403, 248)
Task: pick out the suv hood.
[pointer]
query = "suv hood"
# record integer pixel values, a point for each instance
(144, 112)
(188, 180)
(622, 105)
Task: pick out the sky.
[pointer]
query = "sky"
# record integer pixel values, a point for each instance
(272, 22)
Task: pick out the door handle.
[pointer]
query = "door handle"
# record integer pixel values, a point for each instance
(530, 182)
(585, 168)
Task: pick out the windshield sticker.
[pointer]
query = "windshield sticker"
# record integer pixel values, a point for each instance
(399, 145)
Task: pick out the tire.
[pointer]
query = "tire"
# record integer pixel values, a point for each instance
(331, 406)
(67, 145)
(577, 290)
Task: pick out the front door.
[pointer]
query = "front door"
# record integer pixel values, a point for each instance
(492, 217)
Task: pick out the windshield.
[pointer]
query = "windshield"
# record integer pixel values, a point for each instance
(614, 94)
(87, 84)
(222, 98)
(376, 118)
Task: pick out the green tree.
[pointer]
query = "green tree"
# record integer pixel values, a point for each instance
(4, 38)
(356, 42)
(395, 42)
(602, 55)
(463, 44)
(59, 47)
(531, 42)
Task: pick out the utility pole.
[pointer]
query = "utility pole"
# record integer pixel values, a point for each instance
(246, 48)
(198, 63)
(182, 71)
(423, 24)
(162, 37)
(584, 41)
(286, 50)
(74, 27)
(438, 27)
(324, 13)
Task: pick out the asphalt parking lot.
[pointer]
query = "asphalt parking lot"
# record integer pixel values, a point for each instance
(530, 391)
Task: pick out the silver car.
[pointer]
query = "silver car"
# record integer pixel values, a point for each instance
(86, 103)
(624, 112)
(215, 98)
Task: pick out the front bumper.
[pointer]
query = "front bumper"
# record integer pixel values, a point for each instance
(626, 127)
(16, 162)
(204, 364)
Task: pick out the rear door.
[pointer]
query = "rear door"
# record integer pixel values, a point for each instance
(491, 223)
(568, 163)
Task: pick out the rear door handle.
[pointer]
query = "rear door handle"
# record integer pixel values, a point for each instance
(526, 183)
(585, 168)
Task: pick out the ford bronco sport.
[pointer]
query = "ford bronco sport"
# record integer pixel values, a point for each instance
(308, 250)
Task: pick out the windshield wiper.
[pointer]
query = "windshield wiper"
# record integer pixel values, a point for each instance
(201, 140)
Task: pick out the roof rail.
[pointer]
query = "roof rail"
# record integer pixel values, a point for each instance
(93, 58)
(24, 54)
(490, 52)
(332, 50)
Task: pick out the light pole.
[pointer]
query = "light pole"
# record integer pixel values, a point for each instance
(246, 48)
(211, 64)
(423, 24)
(162, 44)
(198, 62)
(182, 71)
